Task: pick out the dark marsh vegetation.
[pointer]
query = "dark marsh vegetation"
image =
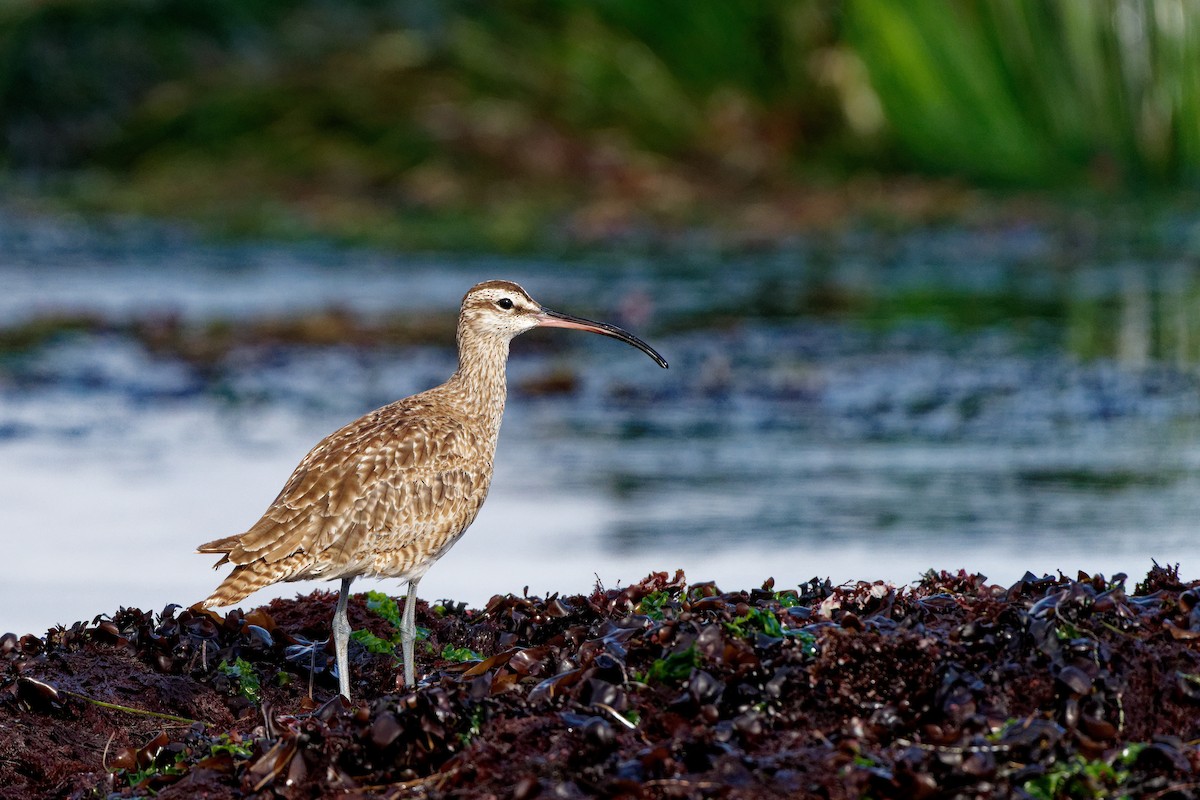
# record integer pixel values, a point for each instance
(1051, 688)
(462, 125)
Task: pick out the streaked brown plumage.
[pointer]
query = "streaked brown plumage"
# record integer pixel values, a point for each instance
(388, 494)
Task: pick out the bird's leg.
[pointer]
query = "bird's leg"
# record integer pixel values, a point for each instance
(408, 634)
(341, 639)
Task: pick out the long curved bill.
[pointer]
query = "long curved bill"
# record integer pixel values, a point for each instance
(553, 319)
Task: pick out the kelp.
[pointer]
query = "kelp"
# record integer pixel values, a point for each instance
(1051, 687)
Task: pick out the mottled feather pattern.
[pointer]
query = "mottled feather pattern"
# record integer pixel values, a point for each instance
(383, 496)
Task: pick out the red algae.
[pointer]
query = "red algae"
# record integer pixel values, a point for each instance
(953, 687)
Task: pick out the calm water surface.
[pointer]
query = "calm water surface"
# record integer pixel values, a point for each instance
(780, 443)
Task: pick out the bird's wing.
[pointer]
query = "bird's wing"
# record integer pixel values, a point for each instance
(386, 474)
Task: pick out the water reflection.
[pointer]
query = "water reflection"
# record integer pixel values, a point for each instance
(825, 414)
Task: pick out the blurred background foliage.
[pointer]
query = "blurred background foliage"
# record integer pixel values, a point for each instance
(465, 123)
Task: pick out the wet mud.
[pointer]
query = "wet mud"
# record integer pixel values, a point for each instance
(951, 688)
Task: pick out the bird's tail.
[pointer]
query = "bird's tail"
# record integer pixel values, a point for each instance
(245, 578)
(252, 573)
(222, 546)
(243, 581)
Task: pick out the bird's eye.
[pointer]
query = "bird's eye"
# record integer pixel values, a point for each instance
(505, 303)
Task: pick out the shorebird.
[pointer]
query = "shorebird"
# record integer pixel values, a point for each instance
(387, 495)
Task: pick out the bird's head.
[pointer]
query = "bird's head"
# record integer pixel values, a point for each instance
(503, 309)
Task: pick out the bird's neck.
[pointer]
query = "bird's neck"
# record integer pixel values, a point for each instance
(480, 385)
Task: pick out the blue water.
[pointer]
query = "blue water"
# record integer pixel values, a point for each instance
(780, 443)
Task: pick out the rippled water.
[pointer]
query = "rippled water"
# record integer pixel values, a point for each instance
(780, 443)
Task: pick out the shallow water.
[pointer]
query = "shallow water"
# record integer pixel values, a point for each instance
(780, 443)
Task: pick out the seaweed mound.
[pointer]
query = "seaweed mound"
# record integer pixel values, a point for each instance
(1052, 687)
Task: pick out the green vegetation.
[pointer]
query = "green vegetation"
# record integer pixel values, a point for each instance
(224, 745)
(451, 653)
(242, 674)
(1037, 93)
(476, 727)
(652, 604)
(136, 778)
(466, 125)
(759, 620)
(1081, 778)
(375, 644)
(787, 598)
(674, 668)
(174, 762)
(470, 126)
(386, 608)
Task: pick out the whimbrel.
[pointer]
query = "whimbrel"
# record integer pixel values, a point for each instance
(390, 493)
